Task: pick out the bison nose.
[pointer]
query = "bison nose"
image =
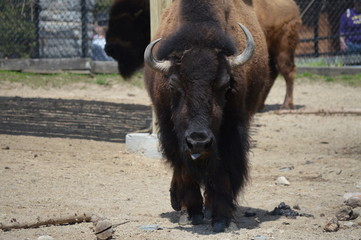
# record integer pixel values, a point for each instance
(198, 142)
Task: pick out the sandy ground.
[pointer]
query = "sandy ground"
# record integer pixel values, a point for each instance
(320, 155)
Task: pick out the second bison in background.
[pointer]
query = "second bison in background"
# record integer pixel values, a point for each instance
(281, 23)
(129, 34)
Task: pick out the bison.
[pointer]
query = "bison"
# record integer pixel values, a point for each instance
(280, 21)
(206, 76)
(128, 34)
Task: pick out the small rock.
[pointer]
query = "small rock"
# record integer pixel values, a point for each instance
(284, 210)
(260, 237)
(45, 237)
(350, 224)
(297, 207)
(151, 227)
(287, 169)
(308, 162)
(358, 185)
(282, 181)
(346, 213)
(332, 225)
(353, 202)
(348, 195)
(104, 229)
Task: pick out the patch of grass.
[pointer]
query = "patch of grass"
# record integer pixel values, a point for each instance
(57, 80)
(348, 80)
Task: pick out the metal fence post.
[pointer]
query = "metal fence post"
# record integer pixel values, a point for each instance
(37, 10)
(317, 8)
(84, 28)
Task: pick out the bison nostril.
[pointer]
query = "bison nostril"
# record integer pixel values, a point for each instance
(199, 141)
(209, 144)
(189, 143)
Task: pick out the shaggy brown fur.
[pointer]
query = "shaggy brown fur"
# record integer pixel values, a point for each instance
(202, 95)
(281, 22)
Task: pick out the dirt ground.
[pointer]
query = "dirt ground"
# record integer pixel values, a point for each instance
(50, 177)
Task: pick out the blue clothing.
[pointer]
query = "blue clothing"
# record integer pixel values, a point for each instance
(350, 26)
(98, 49)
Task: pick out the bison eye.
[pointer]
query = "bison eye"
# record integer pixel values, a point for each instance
(224, 83)
(174, 83)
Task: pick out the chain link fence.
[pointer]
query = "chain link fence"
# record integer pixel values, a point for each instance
(53, 28)
(75, 28)
(326, 23)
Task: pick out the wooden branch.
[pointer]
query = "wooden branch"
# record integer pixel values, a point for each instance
(70, 219)
(320, 112)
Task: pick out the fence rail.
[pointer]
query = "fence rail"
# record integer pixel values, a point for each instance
(56, 29)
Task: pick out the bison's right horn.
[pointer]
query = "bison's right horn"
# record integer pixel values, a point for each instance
(247, 53)
(159, 66)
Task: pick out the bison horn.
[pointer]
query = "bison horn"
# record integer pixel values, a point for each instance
(159, 66)
(247, 53)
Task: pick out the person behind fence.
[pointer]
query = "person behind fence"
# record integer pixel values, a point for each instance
(350, 29)
(98, 44)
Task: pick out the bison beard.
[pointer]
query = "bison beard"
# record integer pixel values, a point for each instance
(204, 95)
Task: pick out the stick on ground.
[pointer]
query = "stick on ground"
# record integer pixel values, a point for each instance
(69, 219)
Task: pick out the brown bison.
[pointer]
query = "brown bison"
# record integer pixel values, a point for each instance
(280, 21)
(206, 80)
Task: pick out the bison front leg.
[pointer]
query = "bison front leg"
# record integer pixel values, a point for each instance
(219, 202)
(186, 196)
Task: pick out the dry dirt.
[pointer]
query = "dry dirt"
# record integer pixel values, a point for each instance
(43, 176)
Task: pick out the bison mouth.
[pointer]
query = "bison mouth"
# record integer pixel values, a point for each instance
(199, 144)
(128, 59)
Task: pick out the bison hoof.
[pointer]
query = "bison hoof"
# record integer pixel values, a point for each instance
(287, 106)
(219, 226)
(184, 218)
(197, 219)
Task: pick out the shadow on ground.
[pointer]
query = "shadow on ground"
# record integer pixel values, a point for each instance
(275, 107)
(253, 220)
(93, 120)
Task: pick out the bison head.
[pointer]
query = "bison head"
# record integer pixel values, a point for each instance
(128, 34)
(199, 82)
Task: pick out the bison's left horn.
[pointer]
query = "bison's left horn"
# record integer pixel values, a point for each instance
(159, 66)
(247, 53)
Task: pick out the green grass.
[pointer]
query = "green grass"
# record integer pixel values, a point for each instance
(348, 80)
(57, 80)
